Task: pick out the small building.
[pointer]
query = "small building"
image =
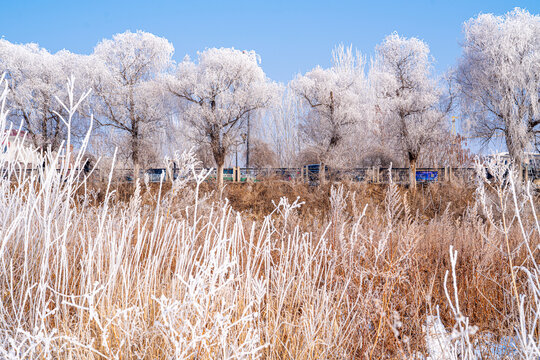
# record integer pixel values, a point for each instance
(17, 147)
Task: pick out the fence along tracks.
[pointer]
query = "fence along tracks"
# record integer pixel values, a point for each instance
(308, 174)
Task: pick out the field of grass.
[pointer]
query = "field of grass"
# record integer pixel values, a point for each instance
(270, 270)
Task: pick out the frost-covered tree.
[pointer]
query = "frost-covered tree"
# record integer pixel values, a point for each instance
(37, 81)
(499, 78)
(129, 94)
(282, 129)
(334, 98)
(406, 97)
(262, 154)
(218, 92)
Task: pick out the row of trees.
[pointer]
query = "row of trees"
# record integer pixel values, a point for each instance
(353, 113)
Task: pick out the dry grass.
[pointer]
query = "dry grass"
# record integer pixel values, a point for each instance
(271, 270)
(331, 278)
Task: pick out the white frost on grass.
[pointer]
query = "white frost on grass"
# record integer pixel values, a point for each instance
(438, 340)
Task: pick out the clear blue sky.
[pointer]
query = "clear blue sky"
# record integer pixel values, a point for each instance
(290, 36)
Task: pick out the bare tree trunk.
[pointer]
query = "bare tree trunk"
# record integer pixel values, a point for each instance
(219, 176)
(135, 157)
(135, 144)
(219, 158)
(520, 175)
(412, 173)
(322, 173)
(516, 153)
(44, 134)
